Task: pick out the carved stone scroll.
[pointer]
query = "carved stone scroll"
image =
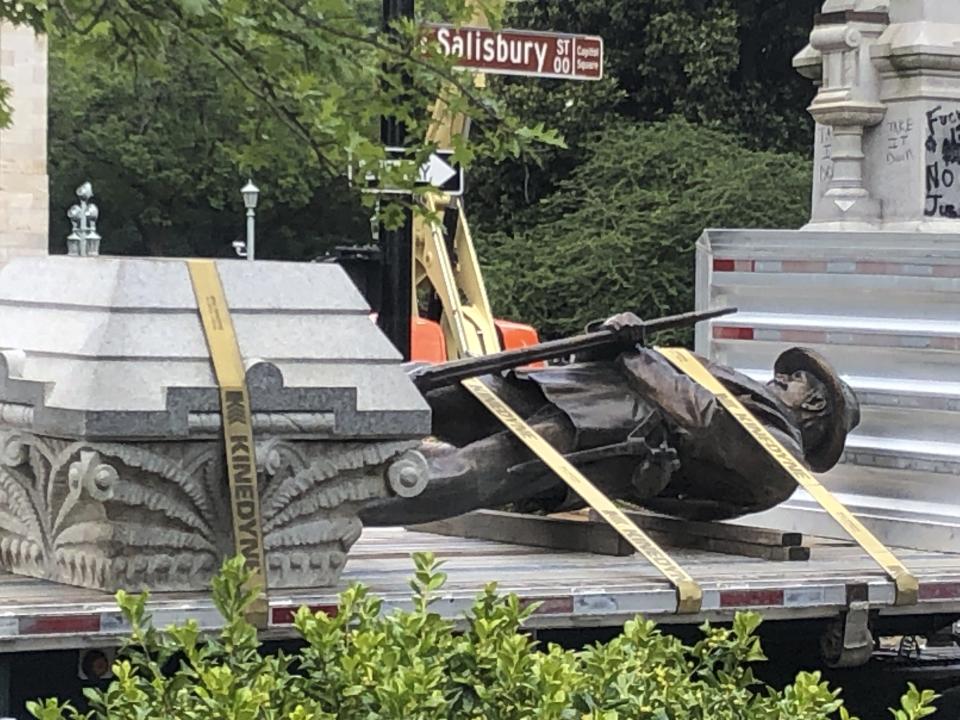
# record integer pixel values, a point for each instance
(156, 515)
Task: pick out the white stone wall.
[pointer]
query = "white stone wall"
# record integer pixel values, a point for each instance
(24, 191)
(890, 70)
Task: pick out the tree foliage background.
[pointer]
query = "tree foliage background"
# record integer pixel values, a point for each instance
(163, 142)
(167, 106)
(700, 121)
(620, 230)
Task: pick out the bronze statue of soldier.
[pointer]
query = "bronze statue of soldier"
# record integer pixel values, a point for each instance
(637, 427)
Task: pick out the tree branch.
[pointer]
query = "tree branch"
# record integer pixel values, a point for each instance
(449, 76)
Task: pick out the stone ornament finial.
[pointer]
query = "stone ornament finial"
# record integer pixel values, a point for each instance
(84, 241)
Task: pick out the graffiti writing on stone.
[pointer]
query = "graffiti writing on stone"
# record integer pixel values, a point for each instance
(943, 162)
(825, 154)
(899, 137)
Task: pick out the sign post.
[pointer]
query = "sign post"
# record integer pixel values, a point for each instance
(396, 246)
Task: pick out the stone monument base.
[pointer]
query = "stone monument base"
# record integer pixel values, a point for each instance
(112, 461)
(157, 515)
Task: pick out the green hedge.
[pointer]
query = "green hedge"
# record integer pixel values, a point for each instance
(620, 232)
(362, 664)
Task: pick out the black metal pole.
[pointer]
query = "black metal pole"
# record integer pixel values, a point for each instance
(396, 297)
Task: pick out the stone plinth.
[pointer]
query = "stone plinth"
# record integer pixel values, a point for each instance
(111, 455)
(24, 193)
(887, 151)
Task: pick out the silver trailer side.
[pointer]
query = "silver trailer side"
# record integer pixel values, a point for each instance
(884, 308)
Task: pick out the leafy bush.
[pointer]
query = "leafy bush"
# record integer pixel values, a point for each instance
(413, 665)
(620, 232)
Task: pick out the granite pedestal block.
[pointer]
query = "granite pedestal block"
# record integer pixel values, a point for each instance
(112, 469)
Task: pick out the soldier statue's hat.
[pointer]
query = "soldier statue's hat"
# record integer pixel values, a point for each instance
(842, 404)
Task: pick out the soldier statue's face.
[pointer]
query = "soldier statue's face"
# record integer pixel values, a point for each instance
(807, 397)
(801, 392)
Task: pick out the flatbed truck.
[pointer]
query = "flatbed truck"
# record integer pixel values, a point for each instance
(51, 636)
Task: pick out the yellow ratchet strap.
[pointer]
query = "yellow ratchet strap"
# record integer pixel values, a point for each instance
(689, 594)
(237, 429)
(906, 583)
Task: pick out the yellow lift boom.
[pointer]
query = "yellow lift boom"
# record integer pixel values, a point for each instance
(446, 266)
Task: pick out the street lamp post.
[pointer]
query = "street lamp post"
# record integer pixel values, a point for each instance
(251, 193)
(84, 241)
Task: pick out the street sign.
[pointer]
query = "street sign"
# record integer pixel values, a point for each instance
(520, 52)
(440, 171)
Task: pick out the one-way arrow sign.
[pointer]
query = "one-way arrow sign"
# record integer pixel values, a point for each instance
(439, 171)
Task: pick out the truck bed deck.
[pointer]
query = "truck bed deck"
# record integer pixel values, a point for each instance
(574, 589)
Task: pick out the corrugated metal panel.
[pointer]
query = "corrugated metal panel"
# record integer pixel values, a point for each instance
(884, 308)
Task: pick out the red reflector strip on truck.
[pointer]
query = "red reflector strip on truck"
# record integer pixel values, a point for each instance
(550, 605)
(751, 598)
(733, 266)
(59, 624)
(286, 615)
(838, 267)
(940, 591)
(839, 337)
(732, 333)
(803, 336)
(803, 595)
(803, 266)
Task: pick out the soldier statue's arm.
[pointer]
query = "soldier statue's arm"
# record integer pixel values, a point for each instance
(685, 402)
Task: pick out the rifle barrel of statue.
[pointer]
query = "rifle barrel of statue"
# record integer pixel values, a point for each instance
(457, 370)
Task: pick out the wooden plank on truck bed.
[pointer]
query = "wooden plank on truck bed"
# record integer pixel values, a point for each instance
(586, 535)
(717, 530)
(775, 553)
(557, 533)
